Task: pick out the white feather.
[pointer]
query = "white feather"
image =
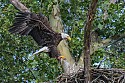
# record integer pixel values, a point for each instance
(44, 49)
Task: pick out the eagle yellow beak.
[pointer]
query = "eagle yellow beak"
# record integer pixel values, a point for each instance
(69, 38)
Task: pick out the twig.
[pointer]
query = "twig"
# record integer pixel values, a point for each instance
(96, 79)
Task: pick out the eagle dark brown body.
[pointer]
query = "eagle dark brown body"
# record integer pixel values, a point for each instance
(39, 28)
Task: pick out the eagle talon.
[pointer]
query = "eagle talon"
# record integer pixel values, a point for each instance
(62, 57)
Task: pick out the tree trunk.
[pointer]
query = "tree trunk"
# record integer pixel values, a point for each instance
(57, 26)
(87, 40)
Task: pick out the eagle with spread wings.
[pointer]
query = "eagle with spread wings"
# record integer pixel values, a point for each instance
(38, 26)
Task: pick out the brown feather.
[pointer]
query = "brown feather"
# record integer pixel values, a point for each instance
(39, 28)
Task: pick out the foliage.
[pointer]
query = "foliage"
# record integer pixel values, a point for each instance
(73, 15)
(16, 66)
(109, 23)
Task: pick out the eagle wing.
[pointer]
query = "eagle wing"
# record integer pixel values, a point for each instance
(35, 25)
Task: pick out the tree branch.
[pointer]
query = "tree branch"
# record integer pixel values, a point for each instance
(18, 5)
(116, 39)
(106, 42)
(87, 39)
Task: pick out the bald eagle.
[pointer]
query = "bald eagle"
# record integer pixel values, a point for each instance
(38, 26)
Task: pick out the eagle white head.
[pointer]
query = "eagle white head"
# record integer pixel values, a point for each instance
(44, 49)
(65, 36)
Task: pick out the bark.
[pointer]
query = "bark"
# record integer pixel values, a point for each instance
(18, 5)
(57, 26)
(87, 39)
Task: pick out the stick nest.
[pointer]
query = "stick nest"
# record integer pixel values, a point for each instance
(97, 76)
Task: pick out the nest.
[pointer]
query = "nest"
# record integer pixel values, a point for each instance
(97, 76)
